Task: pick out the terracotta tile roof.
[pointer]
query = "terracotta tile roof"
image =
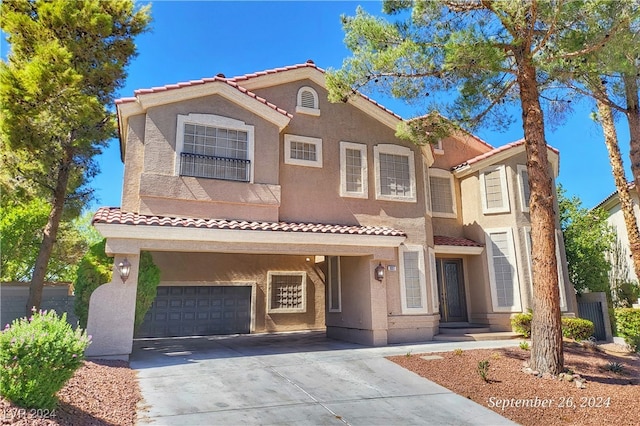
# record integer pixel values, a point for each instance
(440, 240)
(114, 215)
(233, 81)
(200, 82)
(630, 186)
(496, 151)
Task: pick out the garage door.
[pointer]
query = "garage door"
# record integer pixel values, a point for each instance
(198, 311)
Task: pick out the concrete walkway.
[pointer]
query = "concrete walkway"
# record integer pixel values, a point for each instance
(294, 379)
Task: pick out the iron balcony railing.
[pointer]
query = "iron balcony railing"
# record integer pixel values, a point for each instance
(212, 167)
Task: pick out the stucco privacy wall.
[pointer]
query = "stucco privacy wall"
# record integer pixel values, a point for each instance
(193, 269)
(111, 313)
(162, 192)
(14, 296)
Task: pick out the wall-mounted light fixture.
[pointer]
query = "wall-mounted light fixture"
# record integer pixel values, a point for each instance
(379, 272)
(124, 268)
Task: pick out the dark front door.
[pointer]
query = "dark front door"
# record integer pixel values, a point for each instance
(453, 306)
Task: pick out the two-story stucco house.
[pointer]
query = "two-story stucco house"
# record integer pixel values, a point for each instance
(269, 209)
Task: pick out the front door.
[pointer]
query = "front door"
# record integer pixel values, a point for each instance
(453, 306)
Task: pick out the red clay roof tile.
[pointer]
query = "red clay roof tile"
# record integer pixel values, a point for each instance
(440, 240)
(114, 215)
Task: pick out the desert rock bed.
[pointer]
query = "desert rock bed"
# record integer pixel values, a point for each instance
(607, 397)
(101, 393)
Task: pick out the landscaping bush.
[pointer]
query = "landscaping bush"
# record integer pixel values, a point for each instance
(573, 328)
(577, 328)
(521, 323)
(628, 326)
(37, 357)
(96, 269)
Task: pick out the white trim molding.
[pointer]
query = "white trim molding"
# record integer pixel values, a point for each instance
(398, 150)
(510, 256)
(524, 201)
(331, 275)
(443, 174)
(317, 142)
(315, 110)
(504, 192)
(217, 121)
(364, 171)
(422, 281)
(303, 283)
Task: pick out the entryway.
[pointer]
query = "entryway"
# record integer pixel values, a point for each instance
(453, 305)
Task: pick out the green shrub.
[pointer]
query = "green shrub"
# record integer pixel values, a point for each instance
(577, 328)
(574, 328)
(521, 323)
(628, 326)
(37, 357)
(96, 269)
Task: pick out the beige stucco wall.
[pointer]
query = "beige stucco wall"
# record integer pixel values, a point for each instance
(616, 220)
(190, 269)
(155, 188)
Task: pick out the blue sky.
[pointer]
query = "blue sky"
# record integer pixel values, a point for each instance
(192, 40)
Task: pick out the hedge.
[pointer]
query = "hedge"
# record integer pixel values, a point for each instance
(628, 326)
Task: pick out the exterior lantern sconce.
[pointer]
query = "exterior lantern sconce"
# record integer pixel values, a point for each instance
(124, 268)
(379, 272)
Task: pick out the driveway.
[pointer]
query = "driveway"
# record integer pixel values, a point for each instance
(294, 379)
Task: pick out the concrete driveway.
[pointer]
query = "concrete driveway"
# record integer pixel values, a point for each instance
(294, 379)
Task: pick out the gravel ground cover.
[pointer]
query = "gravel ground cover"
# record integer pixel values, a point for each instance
(607, 398)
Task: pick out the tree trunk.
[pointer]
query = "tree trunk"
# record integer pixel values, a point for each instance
(546, 332)
(633, 119)
(617, 168)
(50, 233)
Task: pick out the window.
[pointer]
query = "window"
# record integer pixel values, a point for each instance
(493, 188)
(523, 183)
(287, 292)
(302, 151)
(434, 280)
(307, 102)
(427, 189)
(505, 287)
(353, 170)
(563, 299)
(442, 193)
(395, 173)
(214, 147)
(413, 281)
(333, 283)
(438, 148)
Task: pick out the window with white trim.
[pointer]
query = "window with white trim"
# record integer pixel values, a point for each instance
(287, 292)
(302, 151)
(214, 147)
(523, 184)
(333, 284)
(307, 101)
(443, 200)
(413, 280)
(395, 173)
(353, 170)
(503, 274)
(493, 189)
(438, 148)
(527, 235)
(435, 300)
(427, 189)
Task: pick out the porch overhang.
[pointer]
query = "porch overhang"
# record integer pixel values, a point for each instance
(131, 232)
(456, 245)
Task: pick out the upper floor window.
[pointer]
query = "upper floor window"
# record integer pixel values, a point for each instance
(302, 151)
(523, 184)
(214, 147)
(395, 173)
(353, 170)
(443, 200)
(493, 189)
(438, 147)
(307, 102)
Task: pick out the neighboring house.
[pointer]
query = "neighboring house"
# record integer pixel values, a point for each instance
(269, 209)
(620, 257)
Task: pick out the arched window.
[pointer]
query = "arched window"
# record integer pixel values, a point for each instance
(307, 102)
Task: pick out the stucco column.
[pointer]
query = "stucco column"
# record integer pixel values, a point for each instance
(111, 313)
